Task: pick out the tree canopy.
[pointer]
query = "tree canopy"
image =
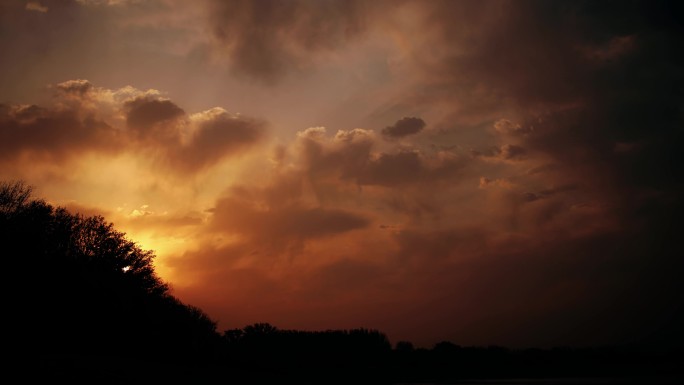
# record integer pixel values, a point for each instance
(79, 285)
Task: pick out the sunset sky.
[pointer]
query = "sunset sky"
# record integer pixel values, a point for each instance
(484, 172)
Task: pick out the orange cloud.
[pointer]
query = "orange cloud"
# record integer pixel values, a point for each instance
(52, 134)
(85, 118)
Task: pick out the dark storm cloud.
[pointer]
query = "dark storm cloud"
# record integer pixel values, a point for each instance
(267, 39)
(597, 91)
(404, 127)
(595, 88)
(584, 77)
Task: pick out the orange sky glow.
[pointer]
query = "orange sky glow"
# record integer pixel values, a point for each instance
(484, 172)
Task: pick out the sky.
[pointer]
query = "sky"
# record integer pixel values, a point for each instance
(483, 172)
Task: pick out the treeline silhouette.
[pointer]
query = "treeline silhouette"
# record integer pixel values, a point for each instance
(261, 351)
(84, 305)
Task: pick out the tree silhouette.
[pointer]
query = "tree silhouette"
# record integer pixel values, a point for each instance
(80, 286)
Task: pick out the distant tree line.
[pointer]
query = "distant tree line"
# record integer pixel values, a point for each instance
(266, 352)
(84, 305)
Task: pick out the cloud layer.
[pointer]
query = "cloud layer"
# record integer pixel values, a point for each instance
(500, 172)
(87, 119)
(267, 39)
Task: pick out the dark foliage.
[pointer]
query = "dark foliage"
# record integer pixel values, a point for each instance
(447, 362)
(261, 351)
(80, 287)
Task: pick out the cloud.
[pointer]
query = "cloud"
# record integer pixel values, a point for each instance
(563, 104)
(507, 152)
(394, 169)
(404, 127)
(487, 182)
(105, 2)
(52, 134)
(84, 118)
(267, 40)
(145, 112)
(216, 134)
(355, 156)
(289, 223)
(36, 7)
(80, 87)
(505, 126)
